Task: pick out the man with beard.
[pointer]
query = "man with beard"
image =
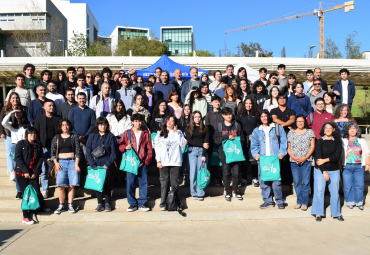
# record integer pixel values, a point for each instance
(68, 105)
(193, 82)
(54, 95)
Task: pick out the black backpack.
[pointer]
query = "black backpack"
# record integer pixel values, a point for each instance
(173, 202)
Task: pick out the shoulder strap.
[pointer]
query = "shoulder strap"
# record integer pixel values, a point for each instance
(29, 93)
(129, 135)
(296, 99)
(105, 139)
(277, 132)
(97, 99)
(13, 90)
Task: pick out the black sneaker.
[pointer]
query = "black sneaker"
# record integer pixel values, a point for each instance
(281, 206)
(107, 207)
(132, 208)
(99, 208)
(237, 195)
(340, 218)
(266, 205)
(19, 195)
(144, 208)
(228, 196)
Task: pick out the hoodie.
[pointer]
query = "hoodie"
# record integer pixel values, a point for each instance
(169, 150)
(234, 129)
(212, 119)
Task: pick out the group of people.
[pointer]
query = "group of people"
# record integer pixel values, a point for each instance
(62, 121)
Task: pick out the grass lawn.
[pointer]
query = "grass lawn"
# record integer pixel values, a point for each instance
(357, 101)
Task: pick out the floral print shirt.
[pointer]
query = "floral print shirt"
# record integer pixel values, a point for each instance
(354, 152)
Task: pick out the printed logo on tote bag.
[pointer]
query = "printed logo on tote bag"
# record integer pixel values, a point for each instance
(30, 199)
(233, 149)
(269, 168)
(94, 177)
(131, 160)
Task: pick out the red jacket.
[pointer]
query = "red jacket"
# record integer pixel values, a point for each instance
(318, 121)
(145, 145)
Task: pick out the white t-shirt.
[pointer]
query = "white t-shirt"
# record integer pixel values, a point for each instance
(264, 82)
(57, 98)
(267, 140)
(25, 97)
(137, 138)
(88, 92)
(345, 92)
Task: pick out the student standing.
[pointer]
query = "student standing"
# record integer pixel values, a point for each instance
(196, 101)
(228, 130)
(344, 89)
(197, 136)
(26, 95)
(298, 101)
(232, 101)
(272, 103)
(54, 95)
(82, 88)
(174, 103)
(216, 84)
(140, 142)
(163, 88)
(150, 100)
(169, 143)
(160, 113)
(35, 107)
(68, 105)
(260, 93)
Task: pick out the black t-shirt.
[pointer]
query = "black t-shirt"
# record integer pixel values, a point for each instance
(248, 122)
(197, 140)
(50, 131)
(283, 116)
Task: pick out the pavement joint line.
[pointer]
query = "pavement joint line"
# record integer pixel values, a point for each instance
(254, 240)
(18, 237)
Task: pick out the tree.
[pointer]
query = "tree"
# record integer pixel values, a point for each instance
(202, 53)
(245, 50)
(99, 48)
(331, 50)
(352, 48)
(78, 45)
(141, 46)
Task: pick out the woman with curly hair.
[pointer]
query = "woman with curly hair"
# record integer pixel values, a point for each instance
(330, 105)
(243, 90)
(342, 117)
(328, 151)
(260, 93)
(355, 159)
(248, 118)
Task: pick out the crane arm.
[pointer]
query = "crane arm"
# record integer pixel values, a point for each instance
(271, 22)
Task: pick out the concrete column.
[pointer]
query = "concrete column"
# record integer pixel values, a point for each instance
(256, 53)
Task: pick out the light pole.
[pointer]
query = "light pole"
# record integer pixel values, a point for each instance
(310, 53)
(63, 45)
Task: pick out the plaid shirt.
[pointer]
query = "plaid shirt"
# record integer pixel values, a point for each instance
(32, 166)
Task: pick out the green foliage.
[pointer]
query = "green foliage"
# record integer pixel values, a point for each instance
(78, 45)
(202, 53)
(98, 48)
(141, 46)
(352, 48)
(245, 50)
(331, 50)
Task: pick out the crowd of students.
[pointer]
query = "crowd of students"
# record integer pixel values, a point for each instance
(65, 119)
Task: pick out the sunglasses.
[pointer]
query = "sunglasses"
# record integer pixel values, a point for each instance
(317, 84)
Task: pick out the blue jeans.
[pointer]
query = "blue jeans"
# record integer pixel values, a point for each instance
(301, 178)
(319, 191)
(353, 184)
(9, 160)
(44, 173)
(195, 162)
(67, 175)
(266, 190)
(142, 175)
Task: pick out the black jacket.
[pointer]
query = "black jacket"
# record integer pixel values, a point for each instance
(182, 125)
(23, 156)
(66, 85)
(155, 99)
(40, 126)
(212, 119)
(177, 85)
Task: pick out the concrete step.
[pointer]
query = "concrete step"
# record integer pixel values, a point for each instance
(214, 214)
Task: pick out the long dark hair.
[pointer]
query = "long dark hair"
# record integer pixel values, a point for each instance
(182, 118)
(123, 111)
(254, 110)
(337, 113)
(277, 80)
(239, 91)
(69, 123)
(164, 131)
(23, 121)
(101, 120)
(336, 133)
(9, 106)
(172, 93)
(191, 127)
(238, 79)
(156, 109)
(271, 93)
(269, 117)
(64, 77)
(257, 84)
(192, 98)
(332, 100)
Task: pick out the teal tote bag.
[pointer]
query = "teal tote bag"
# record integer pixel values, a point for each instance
(203, 177)
(95, 178)
(130, 162)
(233, 150)
(30, 200)
(270, 168)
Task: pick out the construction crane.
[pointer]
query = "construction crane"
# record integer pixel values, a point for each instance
(318, 13)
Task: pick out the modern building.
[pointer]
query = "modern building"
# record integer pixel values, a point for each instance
(180, 40)
(127, 33)
(80, 19)
(31, 28)
(105, 40)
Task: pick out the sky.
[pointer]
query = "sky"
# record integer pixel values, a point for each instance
(210, 19)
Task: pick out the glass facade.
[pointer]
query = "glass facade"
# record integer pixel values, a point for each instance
(87, 25)
(132, 33)
(180, 40)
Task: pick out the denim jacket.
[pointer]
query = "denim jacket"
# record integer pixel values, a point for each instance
(258, 146)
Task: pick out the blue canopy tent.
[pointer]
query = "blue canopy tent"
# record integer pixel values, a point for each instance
(169, 65)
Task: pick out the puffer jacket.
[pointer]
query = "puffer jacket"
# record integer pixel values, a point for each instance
(144, 151)
(75, 146)
(117, 128)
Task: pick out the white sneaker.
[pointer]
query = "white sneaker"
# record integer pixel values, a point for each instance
(45, 194)
(163, 208)
(27, 221)
(255, 183)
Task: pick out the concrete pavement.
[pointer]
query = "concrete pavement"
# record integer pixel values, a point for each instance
(282, 236)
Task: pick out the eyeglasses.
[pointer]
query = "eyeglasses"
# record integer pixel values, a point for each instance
(320, 104)
(317, 84)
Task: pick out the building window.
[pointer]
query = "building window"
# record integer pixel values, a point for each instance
(26, 14)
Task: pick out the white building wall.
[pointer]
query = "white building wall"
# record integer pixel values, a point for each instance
(76, 14)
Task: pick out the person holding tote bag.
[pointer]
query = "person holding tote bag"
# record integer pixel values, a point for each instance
(267, 141)
(197, 136)
(101, 136)
(169, 143)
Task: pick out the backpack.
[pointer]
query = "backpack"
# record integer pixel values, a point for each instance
(220, 126)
